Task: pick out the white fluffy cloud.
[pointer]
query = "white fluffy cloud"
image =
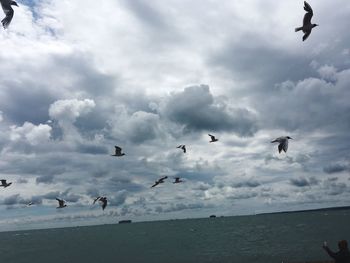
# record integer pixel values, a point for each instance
(70, 110)
(34, 134)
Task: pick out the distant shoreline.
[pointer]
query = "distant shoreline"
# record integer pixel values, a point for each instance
(309, 210)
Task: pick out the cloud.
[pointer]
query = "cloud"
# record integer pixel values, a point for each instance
(336, 168)
(70, 110)
(198, 110)
(33, 134)
(303, 181)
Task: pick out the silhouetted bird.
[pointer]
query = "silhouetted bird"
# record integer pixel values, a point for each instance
(7, 8)
(29, 204)
(61, 203)
(213, 139)
(4, 183)
(307, 26)
(283, 143)
(183, 147)
(177, 180)
(103, 201)
(159, 181)
(118, 151)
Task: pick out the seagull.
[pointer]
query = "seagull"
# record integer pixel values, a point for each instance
(307, 26)
(29, 204)
(177, 180)
(213, 139)
(118, 151)
(159, 181)
(7, 8)
(283, 143)
(183, 147)
(4, 183)
(61, 203)
(103, 200)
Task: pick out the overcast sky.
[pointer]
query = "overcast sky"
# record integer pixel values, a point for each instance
(78, 77)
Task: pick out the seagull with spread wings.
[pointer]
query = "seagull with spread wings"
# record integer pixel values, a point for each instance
(282, 143)
(61, 203)
(159, 181)
(4, 183)
(213, 139)
(103, 201)
(307, 26)
(183, 147)
(118, 151)
(7, 8)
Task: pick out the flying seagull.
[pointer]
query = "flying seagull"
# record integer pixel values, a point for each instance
(4, 183)
(183, 147)
(177, 180)
(7, 8)
(61, 203)
(118, 151)
(283, 143)
(307, 26)
(213, 139)
(30, 204)
(103, 200)
(159, 181)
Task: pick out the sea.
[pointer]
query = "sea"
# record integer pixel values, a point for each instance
(268, 238)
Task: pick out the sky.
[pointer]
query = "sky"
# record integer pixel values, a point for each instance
(78, 77)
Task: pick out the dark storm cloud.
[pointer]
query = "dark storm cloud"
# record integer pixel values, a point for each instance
(92, 149)
(256, 57)
(45, 179)
(336, 168)
(303, 181)
(197, 110)
(249, 184)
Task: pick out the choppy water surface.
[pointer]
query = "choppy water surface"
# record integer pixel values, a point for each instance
(261, 238)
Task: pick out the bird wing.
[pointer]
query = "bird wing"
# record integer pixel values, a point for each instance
(308, 15)
(155, 184)
(283, 146)
(60, 202)
(306, 35)
(96, 199)
(212, 137)
(307, 7)
(163, 178)
(3, 181)
(180, 146)
(118, 149)
(9, 15)
(184, 148)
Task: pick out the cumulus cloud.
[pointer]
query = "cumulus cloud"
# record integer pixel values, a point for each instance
(198, 110)
(33, 134)
(336, 168)
(70, 110)
(303, 181)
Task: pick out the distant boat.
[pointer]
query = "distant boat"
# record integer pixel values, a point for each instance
(124, 222)
(212, 216)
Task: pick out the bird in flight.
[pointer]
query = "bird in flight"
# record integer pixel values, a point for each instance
(183, 147)
(103, 201)
(159, 181)
(307, 26)
(4, 183)
(7, 8)
(213, 139)
(177, 180)
(30, 204)
(118, 151)
(61, 203)
(283, 143)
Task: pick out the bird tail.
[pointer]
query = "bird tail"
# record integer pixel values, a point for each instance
(298, 29)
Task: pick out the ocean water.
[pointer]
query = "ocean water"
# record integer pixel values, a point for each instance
(244, 239)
